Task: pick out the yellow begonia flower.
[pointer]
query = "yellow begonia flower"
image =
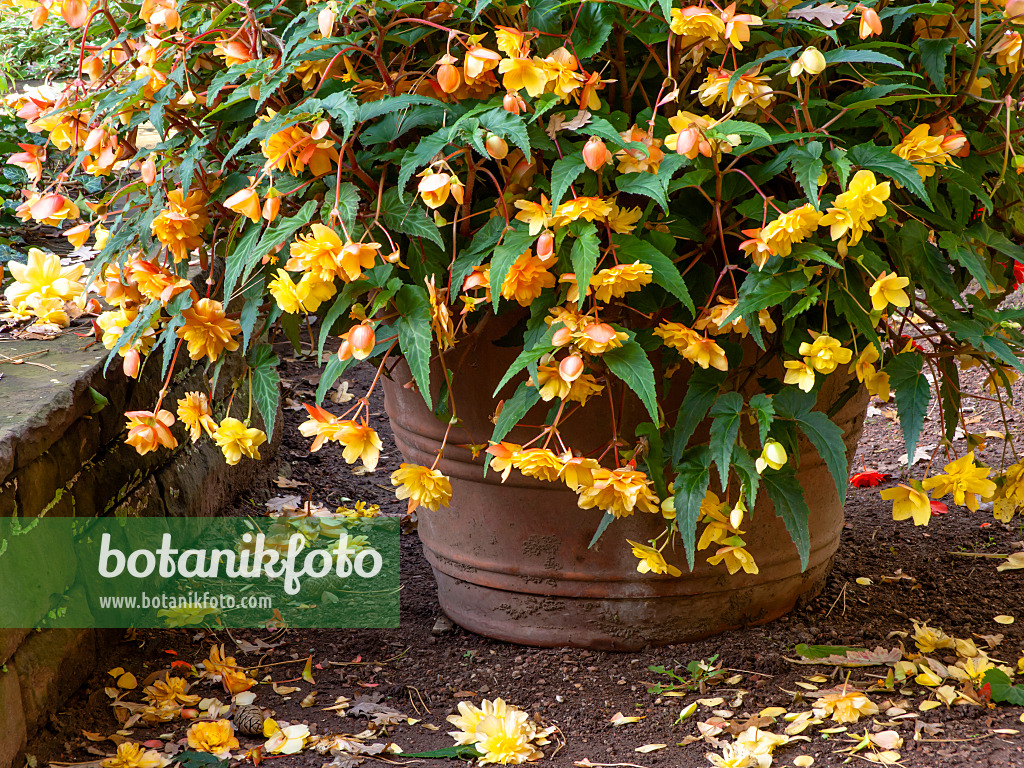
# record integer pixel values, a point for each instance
(888, 289)
(965, 480)
(530, 75)
(735, 557)
(422, 486)
(131, 755)
(236, 440)
(845, 706)
(620, 491)
(908, 502)
(855, 209)
(773, 455)
(216, 737)
(615, 282)
(691, 345)
(799, 373)
(825, 353)
(43, 276)
(652, 561)
(930, 639)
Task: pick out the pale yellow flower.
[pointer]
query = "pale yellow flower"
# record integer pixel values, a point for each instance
(236, 440)
(423, 486)
(651, 560)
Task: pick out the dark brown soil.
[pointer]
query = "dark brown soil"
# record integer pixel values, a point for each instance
(936, 574)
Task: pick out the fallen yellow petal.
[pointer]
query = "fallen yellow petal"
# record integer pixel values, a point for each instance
(928, 705)
(650, 748)
(620, 719)
(864, 581)
(1003, 619)
(127, 681)
(772, 712)
(803, 761)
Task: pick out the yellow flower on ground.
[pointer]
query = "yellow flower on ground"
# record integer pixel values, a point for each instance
(503, 734)
(619, 491)
(652, 561)
(930, 639)
(735, 557)
(180, 225)
(147, 430)
(845, 706)
(214, 736)
(799, 373)
(169, 691)
(733, 756)
(615, 282)
(422, 486)
(965, 480)
(194, 412)
(289, 740)
(207, 330)
(526, 279)
(908, 502)
(760, 743)
(131, 755)
(772, 455)
(236, 440)
(888, 289)
(526, 74)
(825, 353)
(698, 349)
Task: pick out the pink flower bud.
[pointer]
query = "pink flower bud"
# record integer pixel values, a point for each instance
(513, 103)
(362, 339)
(148, 171)
(130, 366)
(561, 337)
(596, 154)
(570, 368)
(546, 248)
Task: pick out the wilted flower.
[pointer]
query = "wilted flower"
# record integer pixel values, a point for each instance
(651, 560)
(845, 706)
(503, 734)
(169, 690)
(288, 740)
(930, 639)
(131, 755)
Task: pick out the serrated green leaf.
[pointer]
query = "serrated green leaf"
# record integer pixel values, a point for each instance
(607, 520)
(852, 56)
(934, 54)
(513, 245)
(881, 159)
(701, 392)
(764, 411)
(725, 426)
(585, 252)
(564, 172)
(913, 394)
(824, 435)
(630, 364)
(693, 475)
(513, 409)
(788, 498)
(266, 385)
(528, 356)
(665, 272)
(414, 335)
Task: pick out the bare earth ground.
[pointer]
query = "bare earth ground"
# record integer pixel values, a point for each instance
(930, 574)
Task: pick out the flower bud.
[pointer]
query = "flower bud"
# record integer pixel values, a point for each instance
(546, 248)
(513, 103)
(1014, 11)
(811, 61)
(271, 206)
(870, 23)
(773, 455)
(75, 12)
(93, 67)
(94, 139)
(189, 713)
(148, 171)
(687, 141)
(254, 92)
(345, 350)
(561, 337)
(320, 130)
(496, 146)
(325, 21)
(448, 76)
(596, 154)
(570, 368)
(39, 16)
(362, 339)
(130, 366)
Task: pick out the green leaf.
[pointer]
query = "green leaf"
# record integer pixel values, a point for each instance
(882, 160)
(508, 126)
(528, 356)
(788, 498)
(514, 408)
(934, 54)
(725, 426)
(513, 245)
(563, 173)
(693, 475)
(459, 751)
(414, 335)
(331, 373)
(746, 470)
(666, 274)
(266, 384)
(629, 363)
(841, 163)
(763, 409)
(1001, 689)
(785, 53)
(824, 651)
(825, 436)
(584, 255)
(913, 394)
(852, 56)
(373, 109)
(241, 257)
(409, 219)
(606, 520)
(655, 457)
(701, 393)
(807, 167)
(593, 26)
(341, 303)
(743, 128)
(654, 186)
(762, 289)
(482, 244)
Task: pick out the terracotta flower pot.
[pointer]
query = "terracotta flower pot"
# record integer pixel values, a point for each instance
(511, 560)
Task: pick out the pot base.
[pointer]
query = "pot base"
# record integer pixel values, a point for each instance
(627, 624)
